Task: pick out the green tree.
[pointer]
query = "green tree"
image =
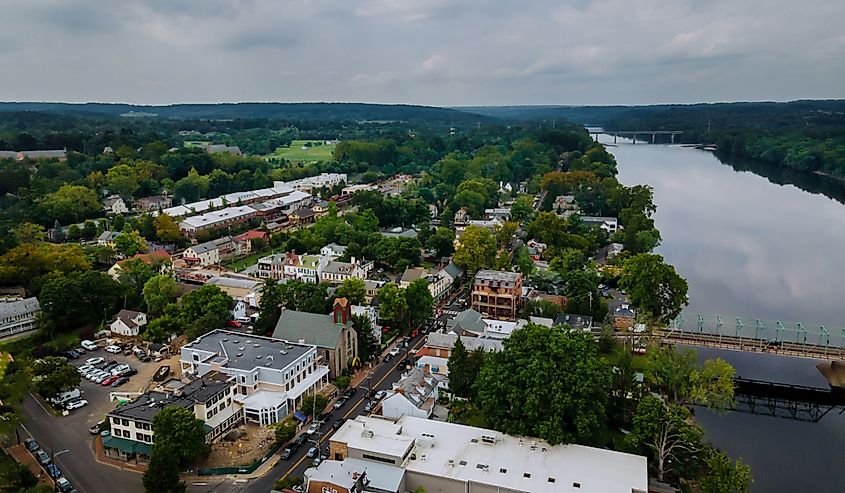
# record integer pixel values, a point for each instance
(393, 305)
(162, 474)
(460, 377)
(667, 434)
(547, 383)
(522, 208)
(159, 291)
(313, 405)
(29, 233)
(269, 308)
(26, 264)
(442, 242)
(52, 375)
(476, 250)
(122, 180)
(725, 476)
(69, 204)
(654, 287)
(167, 230)
(72, 300)
(205, 309)
(675, 373)
(129, 243)
(177, 429)
(284, 431)
(118, 223)
(367, 343)
(419, 301)
(353, 289)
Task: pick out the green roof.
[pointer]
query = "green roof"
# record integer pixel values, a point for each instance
(128, 446)
(313, 328)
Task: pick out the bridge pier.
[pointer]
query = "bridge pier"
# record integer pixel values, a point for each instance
(614, 138)
(653, 136)
(673, 138)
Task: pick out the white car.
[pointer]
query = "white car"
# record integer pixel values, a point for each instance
(314, 428)
(380, 395)
(89, 345)
(395, 351)
(119, 369)
(113, 349)
(84, 369)
(70, 406)
(94, 361)
(101, 376)
(93, 376)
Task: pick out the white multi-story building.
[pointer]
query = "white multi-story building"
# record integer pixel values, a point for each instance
(327, 180)
(290, 265)
(17, 315)
(335, 271)
(271, 376)
(453, 458)
(210, 400)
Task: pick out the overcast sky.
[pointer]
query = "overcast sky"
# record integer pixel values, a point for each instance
(435, 52)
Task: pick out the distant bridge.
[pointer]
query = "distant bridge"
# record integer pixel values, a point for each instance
(756, 336)
(781, 400)
(634, 133)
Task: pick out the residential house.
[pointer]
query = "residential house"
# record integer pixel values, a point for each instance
(444, 280)
(614, 249)
(128, 323)
(238, 310)
(470, 323)
(370, 312)
(609, 224)
(372, 286)
(410, 275)
(439, 345)
(497, 294)
(211, 252)
(500, 213)
(335, 271)
(243, 289)
(271, 376)
(18, 316)
(577, 322)
(336, 340)
(333, 250)
(211, 400)
(624, 317)
(159, 260)
(107, 238)
(320, 209)
(398, 232)
(564, 203)
(113, 204)
(415, 394)
(153, 203)
(306, 268)
(223, 148)
(302, 217)
(461, 216)
(244, 240)
(454, 458)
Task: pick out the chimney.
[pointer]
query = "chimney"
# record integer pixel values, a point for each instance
(352, 261)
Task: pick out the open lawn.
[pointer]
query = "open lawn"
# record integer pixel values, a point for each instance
(242, 263)
(304, 151)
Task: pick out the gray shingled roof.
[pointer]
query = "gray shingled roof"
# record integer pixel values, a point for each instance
(18, 307)
(453, 270)
(467, 320)
(439, 339)
(146, 406)
(312, 328)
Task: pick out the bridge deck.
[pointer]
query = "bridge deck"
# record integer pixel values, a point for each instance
(734, 343)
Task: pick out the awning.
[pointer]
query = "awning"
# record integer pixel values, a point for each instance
(298, 415)
(127, 446)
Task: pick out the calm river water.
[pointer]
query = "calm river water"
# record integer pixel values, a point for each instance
(751, 247)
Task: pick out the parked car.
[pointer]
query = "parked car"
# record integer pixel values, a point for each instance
(325, 417)
(395, 351)
(339, 403)
(287, 453)
(312, 452)
(42, 457)
(53, 470)
(95, 429)
(113, 349)
(89, 345)
(314, 428)
(120, 381)
(80, 350)
(338, 423)
(234, 323)
(350, 392)
(100, 377)
(64, 485)
(316, 462)
(71, 354)
(31, 444)
(84, 369)
(109, 380)
(70, 406)
(380, 395)
(369, 406)
(120, 369)
(299, 440)
(94, 361)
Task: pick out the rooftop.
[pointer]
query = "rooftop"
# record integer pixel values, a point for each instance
(497, 276)
(379, 477)
(231, 282)
(312, 328)
(247, 352)
(18, 307)
(147, 405)
(374, 433)
(439, 339)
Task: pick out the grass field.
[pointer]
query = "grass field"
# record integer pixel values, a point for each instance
(242, 263)
(296, 154)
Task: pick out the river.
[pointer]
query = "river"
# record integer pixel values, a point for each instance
(751, 247)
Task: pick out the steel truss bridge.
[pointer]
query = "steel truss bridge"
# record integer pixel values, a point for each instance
(779, 400)
(756, 336)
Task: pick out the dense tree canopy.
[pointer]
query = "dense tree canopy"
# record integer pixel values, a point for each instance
(654, 287)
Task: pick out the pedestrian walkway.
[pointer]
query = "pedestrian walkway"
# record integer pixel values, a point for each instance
(23, 457)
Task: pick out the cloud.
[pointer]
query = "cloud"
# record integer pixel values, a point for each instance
(440, 52)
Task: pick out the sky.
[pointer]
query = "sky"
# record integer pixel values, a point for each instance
(431, 52)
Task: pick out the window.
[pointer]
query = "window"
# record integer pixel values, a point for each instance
(378, 459)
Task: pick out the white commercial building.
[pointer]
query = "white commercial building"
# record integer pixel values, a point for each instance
(453, 458)
(271, 376)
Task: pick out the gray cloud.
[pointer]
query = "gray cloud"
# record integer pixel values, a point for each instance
(441, 52)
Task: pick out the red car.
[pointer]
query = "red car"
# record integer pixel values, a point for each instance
(109, 380)
(234, 323)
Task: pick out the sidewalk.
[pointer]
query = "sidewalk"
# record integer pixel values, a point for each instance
(23, 457)
(99, 456)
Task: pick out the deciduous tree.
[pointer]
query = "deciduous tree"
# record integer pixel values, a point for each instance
(654, 287)
(353, 289)
(725, 476)
(159, 291)
(52, 375)
(476, 250)
(419, 301)
(166, 228)
(177, 429)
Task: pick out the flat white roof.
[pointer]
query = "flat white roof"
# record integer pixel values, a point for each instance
(218, 216)
(524, 464)
(382, 477)
(376, 434)
(262, 399)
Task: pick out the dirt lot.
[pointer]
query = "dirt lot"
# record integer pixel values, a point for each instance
(254, 442)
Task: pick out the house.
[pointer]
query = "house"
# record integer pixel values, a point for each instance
(432, 211)
(159, 260)
(354, 476)
(500, 213)
(153, 203)
(454, 458)
(320, 208)
(398, 232)
(113, 204)
(336, 340)
(564, 203)
(222, 148)
(609, 224)
(238, 310)
(577, 322)
(302, 217)
(335, 271)
(461, 216)
(439, 345)
(410, 275)
(107, 238)
(211, 400)
(18, 316)
(624, 317)
(290, 265)
(128, 323)
(441, 283)
(370, 312)
(415, 394)
(244, 240)
(211, 252)
(372, 286)
(497, 294)
(243, 289)
(271, 376)
(470, 323)
(333, 250)
(614, 249)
